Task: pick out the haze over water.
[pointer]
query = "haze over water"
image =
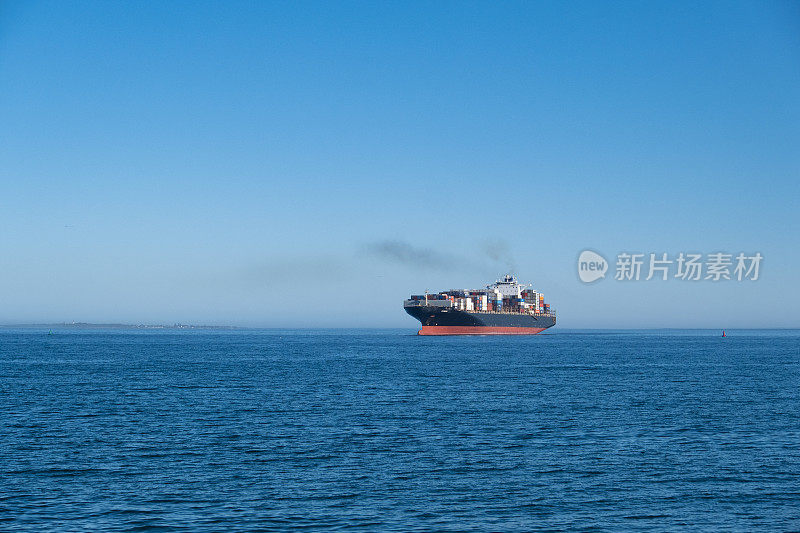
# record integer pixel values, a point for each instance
(383, 430)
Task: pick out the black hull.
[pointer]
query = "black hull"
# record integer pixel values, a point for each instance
(449, 317)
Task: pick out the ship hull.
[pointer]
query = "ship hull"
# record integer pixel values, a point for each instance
(449, 321)
(477, 330)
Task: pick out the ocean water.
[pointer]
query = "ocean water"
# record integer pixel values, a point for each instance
(382, 430)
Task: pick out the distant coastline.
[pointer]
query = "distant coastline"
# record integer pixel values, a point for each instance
(89, 325)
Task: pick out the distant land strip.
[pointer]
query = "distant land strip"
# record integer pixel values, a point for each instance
(88, 325)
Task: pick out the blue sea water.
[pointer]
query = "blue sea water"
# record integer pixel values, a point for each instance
(382, 430)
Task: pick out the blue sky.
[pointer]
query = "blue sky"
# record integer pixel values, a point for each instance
(244, 163)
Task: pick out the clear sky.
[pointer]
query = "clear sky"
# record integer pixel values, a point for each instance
(312, 164)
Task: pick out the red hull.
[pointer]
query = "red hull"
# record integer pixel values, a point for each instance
(477, 330)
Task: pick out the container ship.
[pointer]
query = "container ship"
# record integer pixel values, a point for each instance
(503, 308)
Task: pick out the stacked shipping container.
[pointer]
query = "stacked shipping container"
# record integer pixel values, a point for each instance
(512, 299)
